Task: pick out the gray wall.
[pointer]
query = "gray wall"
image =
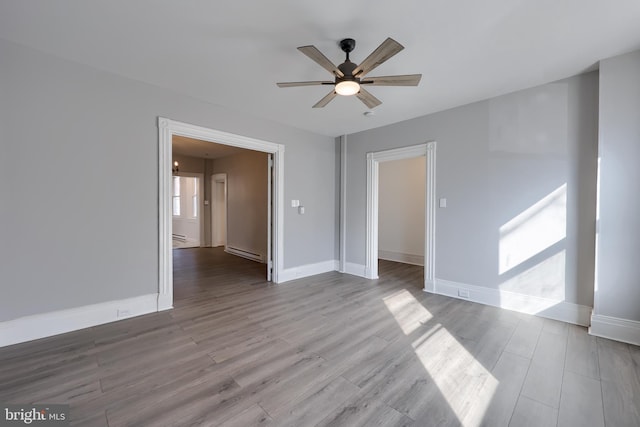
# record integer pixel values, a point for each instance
(80, 149)
(247, 198)
(500, 162)
(618, 287)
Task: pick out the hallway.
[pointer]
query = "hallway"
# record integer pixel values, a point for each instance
(207, 272)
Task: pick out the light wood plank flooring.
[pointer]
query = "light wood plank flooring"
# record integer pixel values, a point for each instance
(330, 350)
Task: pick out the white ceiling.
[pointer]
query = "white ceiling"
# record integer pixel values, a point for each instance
(232, 53)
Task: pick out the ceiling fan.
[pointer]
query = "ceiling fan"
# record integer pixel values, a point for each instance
(350, 78)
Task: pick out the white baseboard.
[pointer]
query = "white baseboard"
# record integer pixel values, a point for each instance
(59, 322)
(615, 328)
(355, 269)
(165, 302)
(401, 257)
(543, 307)
(307, 270)
(430, 286)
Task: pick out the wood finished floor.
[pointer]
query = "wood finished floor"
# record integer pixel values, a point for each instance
(330, 350)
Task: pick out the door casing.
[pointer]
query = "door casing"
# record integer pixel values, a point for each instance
(167, 128)
(428, 150)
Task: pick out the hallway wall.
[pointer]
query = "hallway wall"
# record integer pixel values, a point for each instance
(247, 197)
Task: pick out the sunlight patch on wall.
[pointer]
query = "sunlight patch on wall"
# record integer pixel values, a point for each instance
(466, 385)
(545, 279)
(534, 230)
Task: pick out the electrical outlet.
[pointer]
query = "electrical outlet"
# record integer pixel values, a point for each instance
(124, 312)
(463, 293)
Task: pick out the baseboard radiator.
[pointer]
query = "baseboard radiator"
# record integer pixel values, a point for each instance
(180, 238)
(244, 254)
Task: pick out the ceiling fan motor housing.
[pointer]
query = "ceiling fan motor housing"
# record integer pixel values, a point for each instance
(347, 68)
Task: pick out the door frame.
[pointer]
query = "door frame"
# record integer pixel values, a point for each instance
(428, 151)
(270, 183)
(216, 178)
(166, 129)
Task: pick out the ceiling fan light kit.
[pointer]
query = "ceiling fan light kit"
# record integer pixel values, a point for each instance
(349, 77)
(347, 87)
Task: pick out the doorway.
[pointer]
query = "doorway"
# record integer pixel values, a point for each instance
(428, 152)
(186, 210)
(401, 211)
(219, 210)
(168, 128)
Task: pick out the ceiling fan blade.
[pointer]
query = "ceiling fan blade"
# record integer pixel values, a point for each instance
(310, 83)
(324, 101)
(368, 99)
(402, 80)
(386, 50)
(313, 53)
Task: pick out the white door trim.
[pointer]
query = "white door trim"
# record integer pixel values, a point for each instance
(343, 204)
(270, 183)
(428, 150)
(166, 129)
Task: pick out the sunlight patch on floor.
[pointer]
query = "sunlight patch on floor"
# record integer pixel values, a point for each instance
(408, 312)
(466, 385)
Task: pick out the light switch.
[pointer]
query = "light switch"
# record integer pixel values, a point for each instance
(206, 203)
(295, 203)
(443, 202)
(301, 210)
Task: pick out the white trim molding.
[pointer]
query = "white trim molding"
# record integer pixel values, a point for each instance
(43, 325)
(355, 269)
(528, 304)
(430, 217)
(427, 150)
(308, 270)
(615, 328)
(166, 129)
(343, 204)
(165, 217)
